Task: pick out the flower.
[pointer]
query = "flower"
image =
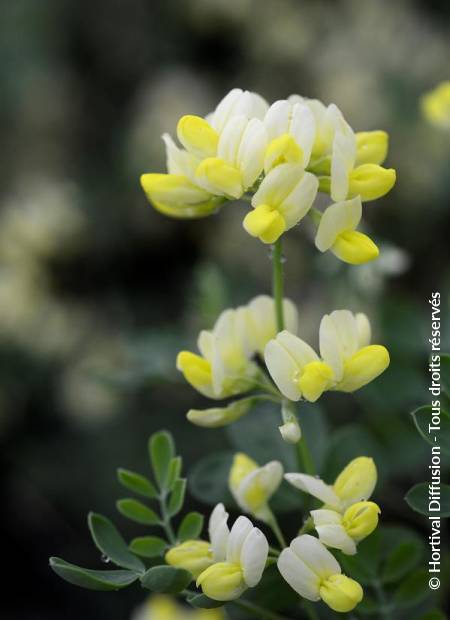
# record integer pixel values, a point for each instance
(240, 554)
(284, 198)
(312, 571)
(355, 483)
(436, 105)
(163, 607)
(343, 531)
(337, 232)
(347, 360)
(371, 147)
(192, 555)
(224, 367)
(252, 486)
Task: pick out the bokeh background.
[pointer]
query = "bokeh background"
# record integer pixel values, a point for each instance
(98, 292)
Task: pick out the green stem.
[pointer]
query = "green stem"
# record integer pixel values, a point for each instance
(384, 608)
(305, 462)
(310, 611)
(277, 283)
(166, 524)
(257, 611)
(273, 524)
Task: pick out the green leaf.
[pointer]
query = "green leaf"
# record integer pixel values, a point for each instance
(162, 451)
(177, 497)
(417, 499)
(191, 526)
(423, 419)
(201, 601)
(208, 478)
(92, 579)
(413, 590)
(166, 579)
(138, 512)
(109, 541)
(174, 471)
(401, 561)
(148, 546)
(368, 606)
(137, 483)
(435, 614)
(364, 566)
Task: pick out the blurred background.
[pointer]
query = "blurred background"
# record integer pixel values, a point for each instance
(98, 292)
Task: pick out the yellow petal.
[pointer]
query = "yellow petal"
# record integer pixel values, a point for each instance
(266, 223)
(222, 581)
(361, 519)
(242, 466)
(371, 181)
(341, 593)
(282, 150)
(356, 481)
(363, 366)
(315, 378)
(220, 178)
(371, 147)
(197, 136)
(192, 555)
(355, 248)
(196, 370)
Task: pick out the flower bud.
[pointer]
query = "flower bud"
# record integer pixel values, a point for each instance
(220, 416)
(266, 223)
(357, 481)
(193, 555)
(282, 150)
(355, 248)
(197, 136)
(222, 581)
(363, 366)
(196, 370)
(341, 593)
(315, 378)
(291, 432)
(371, 181)
(361, 519)
(371, 146)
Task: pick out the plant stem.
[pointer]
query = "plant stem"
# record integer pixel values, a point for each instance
(384, 608)
(305, 462)
(166, 524)
(277, 283)
(257, 611)
(273, 524)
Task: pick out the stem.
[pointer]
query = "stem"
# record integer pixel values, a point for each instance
(310, 611)
(257, 611)
(277, 283)
(305, 462)
(384, 608)
(273, 524)
(308, 526)
(166, 524)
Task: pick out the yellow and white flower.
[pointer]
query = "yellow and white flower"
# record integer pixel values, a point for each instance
(344, 531)
(354, 484)
(284, 198)
(252, 486)
(240, 558)
(436, 105)
(347, 361)
(261, 321)
(237, 102)
(313, 572)
(163, 607)
(337, 233)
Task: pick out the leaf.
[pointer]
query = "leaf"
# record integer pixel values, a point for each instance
(208, 478)
(201, 601)
(137, 483)
(174, 471)
(364, 566)
(401, 561)
(434, 614)
(166, 579)
(148, 546)
(191, 526)
(138, 512)
(109, 541)
(417, 499)
(177, 497)
(92, 579)
(368, 606)
(412, 590)
(162, 451)
(423, 420)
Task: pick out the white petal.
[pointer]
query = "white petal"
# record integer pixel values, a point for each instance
(297, 348)
(364, 330)
(346, 330)
(315, 555)
(253, 557)
(283, 369)
(205, 344)
(335, 536)
(250, 156)
(218, 532)
(290, 316)
(303, 129)
(277, 119)
(277, 185)
(295, 206)
(329, 347)
(301, 578)
(239, 532)
(224, 109)
(230, 139)
(179, 161)
(326, 517)
(342, 162)
(315, 487)
(336, 219)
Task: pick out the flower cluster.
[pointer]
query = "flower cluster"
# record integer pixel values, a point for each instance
(277, 157)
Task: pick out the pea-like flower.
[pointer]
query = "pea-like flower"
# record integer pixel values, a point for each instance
(240, 556)
(313, 572)
(347, 362)
(252, 486)
(436, 106)
(344, 531)
(284, 198)
(224, 366)
(337, 233)
(354, 484)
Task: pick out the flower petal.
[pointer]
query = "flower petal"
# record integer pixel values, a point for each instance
(315, 555)
(315, 487)
(301, 578)
(253, 557)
